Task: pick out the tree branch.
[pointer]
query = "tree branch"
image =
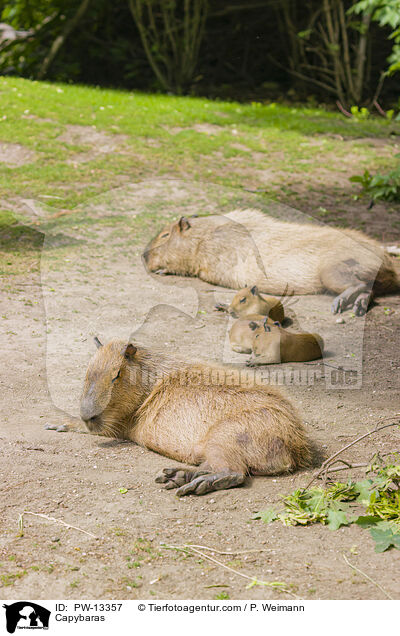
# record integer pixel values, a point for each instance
(61, 39)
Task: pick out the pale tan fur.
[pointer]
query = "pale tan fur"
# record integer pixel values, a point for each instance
(278, 256)
(241, 334)
(248, 301)
(278, 345)
(195, 413)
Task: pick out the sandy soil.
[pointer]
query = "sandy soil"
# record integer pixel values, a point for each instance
(98, 286)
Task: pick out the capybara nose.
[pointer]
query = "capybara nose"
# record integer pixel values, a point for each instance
(88, 413)
(93, 423)
(145, 254)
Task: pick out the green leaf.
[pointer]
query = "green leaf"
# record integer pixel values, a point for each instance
(123, 491)
(357, 179)
(266, 515)
(364, 491)
(366, 521)
(385, 539)
(337, 519)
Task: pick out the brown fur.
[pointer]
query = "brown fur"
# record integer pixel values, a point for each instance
(248, 301)
(241, 334)
(278, 256)
(278, 345)
(193, 414)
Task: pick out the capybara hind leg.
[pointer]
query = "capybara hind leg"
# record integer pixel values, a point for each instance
(357, 295)
(277, 459)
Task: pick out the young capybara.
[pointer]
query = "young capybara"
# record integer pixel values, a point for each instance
(193, 413)
(247, 245)
(248, 301)
(272, 344)
(241, 334)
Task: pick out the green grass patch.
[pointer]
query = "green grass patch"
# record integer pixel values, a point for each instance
(214, 142)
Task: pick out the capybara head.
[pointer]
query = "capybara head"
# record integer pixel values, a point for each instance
(247, 301)
(166, 253)
(113, 388)
(262, 340)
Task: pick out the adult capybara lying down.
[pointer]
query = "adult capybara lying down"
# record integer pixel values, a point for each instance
(246, 246)
(193, 413)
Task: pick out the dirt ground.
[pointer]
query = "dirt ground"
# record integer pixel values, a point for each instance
(91, 281)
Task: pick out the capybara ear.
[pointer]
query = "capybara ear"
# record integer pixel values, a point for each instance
(97, 342)
(254, 290)
(183, 224)
(130, 351)
(253, 325)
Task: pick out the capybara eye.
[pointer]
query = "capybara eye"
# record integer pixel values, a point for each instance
(243, 300)
(165, 235)
(116, 377)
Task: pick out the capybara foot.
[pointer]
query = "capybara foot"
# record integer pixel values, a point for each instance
(221, 307)
(361, 304)
(198, 482)
(162, 272)
(356, 295)
(338, 305)
(175, 477)
(212, 481)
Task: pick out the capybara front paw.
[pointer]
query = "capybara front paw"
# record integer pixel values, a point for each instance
(220, 307)
(209, 482)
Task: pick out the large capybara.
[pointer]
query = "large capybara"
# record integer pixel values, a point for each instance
(272, 344)
(193, 413)
(247, 245)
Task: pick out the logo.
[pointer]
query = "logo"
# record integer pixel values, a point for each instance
(26, 615)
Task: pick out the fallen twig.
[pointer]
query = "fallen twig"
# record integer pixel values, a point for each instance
(205, 547)
(325, 466)
(39, 514)
(368, 578)
(281, 587)
(350, 466)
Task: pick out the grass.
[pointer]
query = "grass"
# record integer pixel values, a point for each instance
(216, 142)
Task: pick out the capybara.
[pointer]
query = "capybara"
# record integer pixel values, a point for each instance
(248, 301)
(241, 334)
(247, 245)
(193, 413)
(272, 344)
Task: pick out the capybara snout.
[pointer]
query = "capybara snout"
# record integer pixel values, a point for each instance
(104, 390)
(163, 253)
